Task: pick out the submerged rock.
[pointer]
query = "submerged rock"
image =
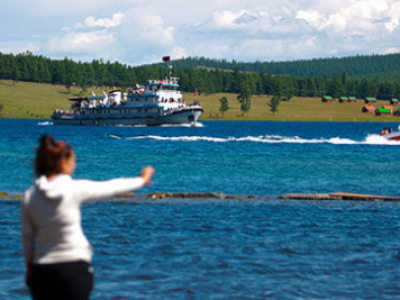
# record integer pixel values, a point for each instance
(189, 195)
(300, 196)
(338, 196)
(222, 196)
(4, 195)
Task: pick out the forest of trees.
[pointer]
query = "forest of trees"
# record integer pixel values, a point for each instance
(31, 68)
(384, 66)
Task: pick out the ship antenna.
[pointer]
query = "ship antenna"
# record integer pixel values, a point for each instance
(170, 66)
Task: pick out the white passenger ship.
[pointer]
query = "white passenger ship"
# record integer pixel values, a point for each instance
(156, 103)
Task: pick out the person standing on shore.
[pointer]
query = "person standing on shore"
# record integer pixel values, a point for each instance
(57, 254)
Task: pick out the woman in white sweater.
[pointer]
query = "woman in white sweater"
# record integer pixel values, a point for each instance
(56, 251)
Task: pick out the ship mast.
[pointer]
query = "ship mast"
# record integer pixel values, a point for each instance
(171, 79)
(167, 60)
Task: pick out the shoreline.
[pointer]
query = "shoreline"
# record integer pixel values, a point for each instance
(230, 120)
(38, 100)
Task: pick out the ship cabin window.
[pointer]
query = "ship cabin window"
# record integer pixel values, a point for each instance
(169, 88)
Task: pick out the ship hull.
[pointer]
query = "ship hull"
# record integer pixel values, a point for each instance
(186, 116)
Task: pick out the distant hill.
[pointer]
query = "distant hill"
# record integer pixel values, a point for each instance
(386, 67)
(359, 76)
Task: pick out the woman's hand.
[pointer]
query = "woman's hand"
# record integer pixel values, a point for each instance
(146, 174)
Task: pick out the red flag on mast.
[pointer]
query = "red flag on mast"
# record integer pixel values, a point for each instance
(166, 59)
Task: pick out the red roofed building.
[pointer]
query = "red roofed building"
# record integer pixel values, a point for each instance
(388, 107)
(368, 109)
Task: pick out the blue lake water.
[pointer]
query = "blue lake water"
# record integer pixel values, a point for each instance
(213, 249)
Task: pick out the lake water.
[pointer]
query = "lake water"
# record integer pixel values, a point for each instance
(212, 249)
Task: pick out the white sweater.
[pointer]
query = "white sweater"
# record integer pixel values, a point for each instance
(51, 216)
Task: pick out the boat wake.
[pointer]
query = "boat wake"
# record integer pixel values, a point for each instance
(197, 124)
(371, 139)
(45, 123)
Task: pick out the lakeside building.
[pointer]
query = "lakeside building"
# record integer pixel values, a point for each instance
(345, 99)
(383, 112)
(388, 107)
(352, 99)
(369, 109)
(370, 100)
(327, 99)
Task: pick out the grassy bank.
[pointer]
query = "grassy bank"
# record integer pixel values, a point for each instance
(35, 100)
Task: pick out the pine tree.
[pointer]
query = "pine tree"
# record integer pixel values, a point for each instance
(274, 103)
(224, 105)
(245, 94)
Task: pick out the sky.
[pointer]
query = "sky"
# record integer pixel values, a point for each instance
(137, 32)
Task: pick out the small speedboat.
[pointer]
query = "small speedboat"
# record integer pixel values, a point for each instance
(394, 136)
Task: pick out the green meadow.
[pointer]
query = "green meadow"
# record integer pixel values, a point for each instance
(35, 100)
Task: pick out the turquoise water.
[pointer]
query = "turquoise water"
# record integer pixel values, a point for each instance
(212, 249)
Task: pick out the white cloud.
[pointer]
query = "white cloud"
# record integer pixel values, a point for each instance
(105, 22)
(231, 19)
(394, 15)
(313, 18)
(145, 32)
(81, 42)
(143, 36)
(244, 24)
(357, 17)
(139, 31)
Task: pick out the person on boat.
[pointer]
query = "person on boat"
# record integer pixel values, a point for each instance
(56, 251)
(384, 132)
(390, 130)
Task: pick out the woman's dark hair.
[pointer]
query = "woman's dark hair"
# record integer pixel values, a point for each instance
(49, 155)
